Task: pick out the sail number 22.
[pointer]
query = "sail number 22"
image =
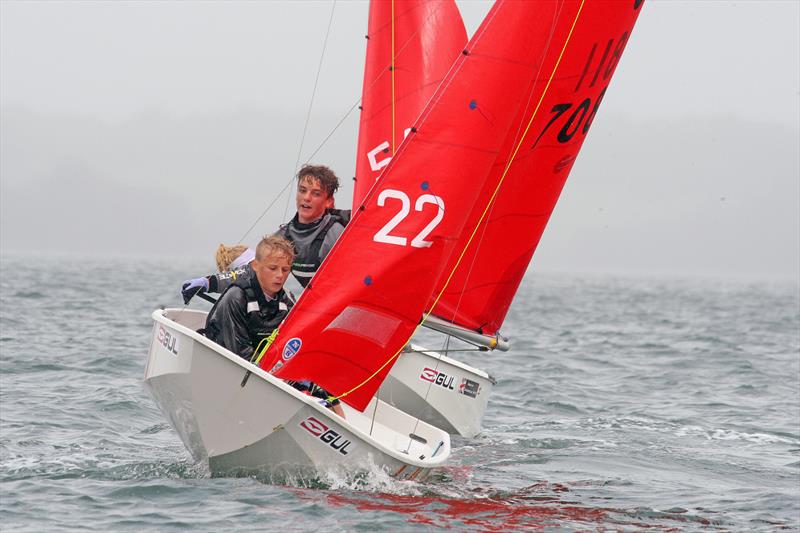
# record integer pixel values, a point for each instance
(383, 235)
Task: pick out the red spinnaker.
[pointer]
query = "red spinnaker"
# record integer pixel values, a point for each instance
(424, 38)
(562, 109)
(367, 298)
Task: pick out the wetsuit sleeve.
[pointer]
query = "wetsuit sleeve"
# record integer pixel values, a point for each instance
(222, 280)
(331, 237)
(230, 323)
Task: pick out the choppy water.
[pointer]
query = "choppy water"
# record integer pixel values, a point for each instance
(626, 404)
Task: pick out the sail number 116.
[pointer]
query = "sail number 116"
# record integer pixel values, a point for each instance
(384, 235)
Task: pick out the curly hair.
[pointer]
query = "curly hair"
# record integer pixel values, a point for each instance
(326, 177)
(226, 255)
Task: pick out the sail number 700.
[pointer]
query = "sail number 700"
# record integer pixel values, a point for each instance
(405, 208)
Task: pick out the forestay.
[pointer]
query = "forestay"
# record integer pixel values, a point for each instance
(367, 298)
(411, 46)
(565, 97)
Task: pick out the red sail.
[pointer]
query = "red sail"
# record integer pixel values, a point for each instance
(424, 38)
(562, 110)
(366, 300)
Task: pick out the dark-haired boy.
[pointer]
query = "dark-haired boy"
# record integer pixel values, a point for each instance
(313, 231)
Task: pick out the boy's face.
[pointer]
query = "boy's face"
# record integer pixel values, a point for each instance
(272, 272)
(312, 200)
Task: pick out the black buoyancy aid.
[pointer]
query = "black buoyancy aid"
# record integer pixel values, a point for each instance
(263, 315)
(307, 259)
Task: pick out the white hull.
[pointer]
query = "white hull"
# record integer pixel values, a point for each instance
(439, 390)
(267, 426)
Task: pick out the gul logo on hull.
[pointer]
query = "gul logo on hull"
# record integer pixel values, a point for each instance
(313, 426)
(329, 436)
(438, 378)
(167, 340)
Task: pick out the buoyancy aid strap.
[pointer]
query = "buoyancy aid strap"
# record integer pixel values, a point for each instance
(316, 244)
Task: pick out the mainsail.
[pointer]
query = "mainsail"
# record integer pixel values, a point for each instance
(562, 109)
(411, 46)
(366, 300)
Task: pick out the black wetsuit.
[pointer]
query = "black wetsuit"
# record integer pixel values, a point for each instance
(313, 241)
(243, 316)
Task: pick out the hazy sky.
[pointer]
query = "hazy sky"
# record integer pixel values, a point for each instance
(167, 127)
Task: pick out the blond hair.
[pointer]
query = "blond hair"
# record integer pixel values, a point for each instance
(227, 254)
(271, 244)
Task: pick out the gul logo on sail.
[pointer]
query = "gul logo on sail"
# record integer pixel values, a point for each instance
(167, 340)
(327, 435)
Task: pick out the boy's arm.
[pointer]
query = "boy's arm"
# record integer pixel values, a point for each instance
(213, 283)
(230, 319)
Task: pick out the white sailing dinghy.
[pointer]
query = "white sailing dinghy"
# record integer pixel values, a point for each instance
(363, 305)
(587, 41)
(264, 425)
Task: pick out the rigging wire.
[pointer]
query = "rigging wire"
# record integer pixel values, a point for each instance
(311, 103)
(264, 212)
(303, 137)
(327, 138)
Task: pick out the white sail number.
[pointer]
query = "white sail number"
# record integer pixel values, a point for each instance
(372, 155)
(405, 208)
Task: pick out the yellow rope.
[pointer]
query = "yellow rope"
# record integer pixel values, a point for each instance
(373, 374)
(267, 342)
(488, 205)
(393, 69)
(508, 165)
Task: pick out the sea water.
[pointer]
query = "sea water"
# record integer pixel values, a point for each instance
(625, 404)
